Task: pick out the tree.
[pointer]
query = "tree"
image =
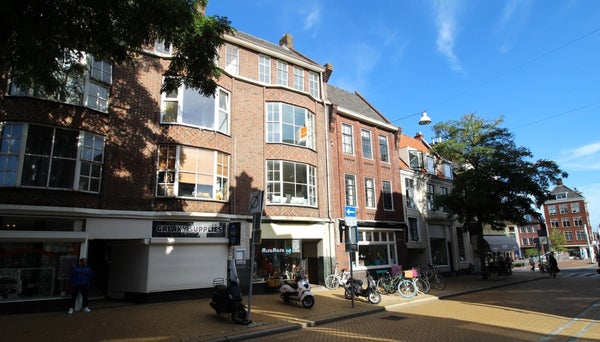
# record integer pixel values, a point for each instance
(42, 39)
(495, 181)
(557, 240)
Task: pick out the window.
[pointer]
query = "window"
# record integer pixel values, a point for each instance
(298, 78)
(580, 235)
(413, 229)
(575, 208)
(282, 73)
(89, 89)
(376, 248)
(563, 208)
(522, 229)
(367, 150)
(430, 195)
(347, 139)
(439, 254)
(552, 210)
(50, 157)
(350, 185)
(290, 125)
(198, 173)
(577, 221)
(386, 192)
(188, 106)
(232, 60)
(430, 165)
(524, 241)
(163, 48)
(410, 193)
(554, 223)
(444, 192)
(447, 170)
(291, 183)
(383, 149)
(313, 84)
(561, 195)
(264, 69)
(370, 192)
(568, 236)
(566, 222)
(415, 159)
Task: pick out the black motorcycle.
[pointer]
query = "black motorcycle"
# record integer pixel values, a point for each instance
(354, 287)
(227, 299)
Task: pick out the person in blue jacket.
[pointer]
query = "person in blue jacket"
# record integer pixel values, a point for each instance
(80, 283)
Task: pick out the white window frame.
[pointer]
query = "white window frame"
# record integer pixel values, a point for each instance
(370, 201)
(410, 193)
(219, 118)
(575, 208)
(386, 195)
(430, 165)
(264, 69)
(163, 49)
(563, 209)
(298, 78)
(278, 125)
(415, 159)
(350, 189)
(313, 84)
(347, 139)
(284, 189)
(170, 172)
(551, 210)
(232, 59)
(384, 154)
(282, 73)
(366, 143)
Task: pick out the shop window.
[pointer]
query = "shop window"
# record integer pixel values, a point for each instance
(439, 254)
(291, 183)
(52, 158)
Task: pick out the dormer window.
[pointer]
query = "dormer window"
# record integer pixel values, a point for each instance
(561, 195)
(430, 165)
(447, 170)
(415, 159)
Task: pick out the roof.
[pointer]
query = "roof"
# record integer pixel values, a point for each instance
(354, 102)
(287, 51)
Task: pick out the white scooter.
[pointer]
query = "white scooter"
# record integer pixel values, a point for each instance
(297, 290)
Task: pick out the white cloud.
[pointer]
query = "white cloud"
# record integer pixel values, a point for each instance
(586, 157)
(312, 18)
(445, 19)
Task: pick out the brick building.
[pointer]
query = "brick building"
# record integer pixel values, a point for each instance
(568, 213)
(150, 186)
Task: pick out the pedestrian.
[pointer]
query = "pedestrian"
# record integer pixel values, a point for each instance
(509, 263)
(80, 284)
(532, 264)
(552, 264)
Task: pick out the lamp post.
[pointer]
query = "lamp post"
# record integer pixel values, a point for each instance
(425, 119)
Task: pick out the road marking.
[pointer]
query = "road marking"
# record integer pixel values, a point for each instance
(571, 322)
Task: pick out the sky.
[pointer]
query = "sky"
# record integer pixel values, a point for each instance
(534, 63)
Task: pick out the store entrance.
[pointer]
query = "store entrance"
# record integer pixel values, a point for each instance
(99, 262)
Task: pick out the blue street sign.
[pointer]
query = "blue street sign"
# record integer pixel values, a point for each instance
(350, 211)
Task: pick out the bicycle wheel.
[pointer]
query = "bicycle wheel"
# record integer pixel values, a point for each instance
(332, 282)
(407, 289)
(439, 282)
(423, 285)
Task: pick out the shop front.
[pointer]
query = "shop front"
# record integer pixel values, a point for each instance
(377, 250)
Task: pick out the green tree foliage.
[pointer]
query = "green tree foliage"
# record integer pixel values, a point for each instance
(495, 180)
(557, 240)
(40, 39)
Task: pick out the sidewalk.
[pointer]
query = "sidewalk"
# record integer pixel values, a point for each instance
(195, 320)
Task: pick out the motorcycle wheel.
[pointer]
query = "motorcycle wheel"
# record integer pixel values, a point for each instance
(374, 297)
(239, 314)
(347, 293)
(308, 302)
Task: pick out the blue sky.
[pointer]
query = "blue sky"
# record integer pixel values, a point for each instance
(536, 63)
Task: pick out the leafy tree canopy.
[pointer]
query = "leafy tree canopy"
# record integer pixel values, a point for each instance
(495, 180)
(41, 38)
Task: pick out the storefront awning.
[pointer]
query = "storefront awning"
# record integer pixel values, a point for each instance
(501, 243)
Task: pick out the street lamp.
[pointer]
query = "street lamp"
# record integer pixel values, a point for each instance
(425, 119)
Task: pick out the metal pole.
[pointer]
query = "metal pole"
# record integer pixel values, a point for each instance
(587, 239)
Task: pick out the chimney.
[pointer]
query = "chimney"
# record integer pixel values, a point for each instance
(286, 41)
(327, 73)
(419, 136)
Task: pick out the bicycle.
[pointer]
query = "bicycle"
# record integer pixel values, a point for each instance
(435, 278)
(333, 281)
(421, 281)
(388, 284)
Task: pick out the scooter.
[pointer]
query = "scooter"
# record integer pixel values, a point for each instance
(227, 299)
(297, 290)
(354, 288)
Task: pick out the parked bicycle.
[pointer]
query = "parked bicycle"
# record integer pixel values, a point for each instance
(434, 277)
(389, 284)
(333, 281)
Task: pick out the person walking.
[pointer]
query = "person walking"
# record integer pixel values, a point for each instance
(80, 284)
(532, 264)
(552, 264)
